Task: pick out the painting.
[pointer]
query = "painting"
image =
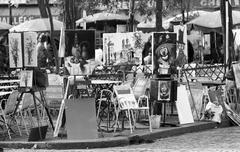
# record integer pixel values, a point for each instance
(120, 48)
(164, 52)
(207, 44)
(26, 78)
(15, 50)
(164, 90)
(30, 51)
(80, 50)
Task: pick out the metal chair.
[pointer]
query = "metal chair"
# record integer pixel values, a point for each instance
(128, 103)
(7, 113)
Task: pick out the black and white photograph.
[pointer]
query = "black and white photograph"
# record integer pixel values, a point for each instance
(119, 75)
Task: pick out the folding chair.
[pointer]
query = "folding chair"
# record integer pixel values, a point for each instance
(106, 98)
(127, 102)
(7, 113)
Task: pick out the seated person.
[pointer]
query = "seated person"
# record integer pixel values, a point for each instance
(213, 111)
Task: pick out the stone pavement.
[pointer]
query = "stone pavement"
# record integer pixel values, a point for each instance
(215, 140)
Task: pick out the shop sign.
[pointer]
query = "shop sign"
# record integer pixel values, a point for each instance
(213, 3)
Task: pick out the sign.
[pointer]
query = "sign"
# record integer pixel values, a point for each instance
(81, 119)
(183, 106)
(212, 3)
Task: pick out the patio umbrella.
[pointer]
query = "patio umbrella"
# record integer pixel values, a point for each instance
(212, 20)
(4, 26)
(104, 16)
(37, 25)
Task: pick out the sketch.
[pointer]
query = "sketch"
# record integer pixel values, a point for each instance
(129, 50)
(30, 51)
(26, 78)
(15, 50)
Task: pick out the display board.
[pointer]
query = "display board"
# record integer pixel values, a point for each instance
(124, 47)
(183, 106)
(15, 50)
(81, 119)
(164, 51)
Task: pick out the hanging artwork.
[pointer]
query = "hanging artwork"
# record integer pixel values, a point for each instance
(80, 50)
(124, 47)
(164, 52)
(182, 47)
(26, 78)
(30, 51)
(15, 50)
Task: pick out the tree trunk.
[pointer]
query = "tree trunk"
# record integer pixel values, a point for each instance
(159, 6)
(42, 9)
(131, 13)
(230, 36)
(51, 35)
(70, 14)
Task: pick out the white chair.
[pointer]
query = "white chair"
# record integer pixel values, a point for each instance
(128, 103)
(7, 113)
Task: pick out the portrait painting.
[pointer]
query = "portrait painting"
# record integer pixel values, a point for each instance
(164, 52)
(80, 51)
(164, 90)
(30, 50)
(15, 50)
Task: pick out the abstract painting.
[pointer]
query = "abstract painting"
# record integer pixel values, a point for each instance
(26, 78)
(30, 51)
(15, 50)
(124, 47)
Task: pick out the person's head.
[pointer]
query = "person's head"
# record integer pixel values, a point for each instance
(84, 47)
(42, 38)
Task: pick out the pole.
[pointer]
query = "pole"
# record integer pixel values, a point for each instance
(227, 34)
(10, 12)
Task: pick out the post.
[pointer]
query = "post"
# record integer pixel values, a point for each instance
(227, 34)
(10, 12)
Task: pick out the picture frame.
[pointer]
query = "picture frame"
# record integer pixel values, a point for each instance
(30, 49)
(26, 78)
(15, 50)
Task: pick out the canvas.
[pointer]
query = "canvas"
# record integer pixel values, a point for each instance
(124, 47)
(163, 52)
(30, 51)
(15, 50)
(26, 78)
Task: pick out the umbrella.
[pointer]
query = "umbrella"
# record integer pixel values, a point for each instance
(104, 16)
(166, 22)
(212, 20)
(37, 25)
(4, 26)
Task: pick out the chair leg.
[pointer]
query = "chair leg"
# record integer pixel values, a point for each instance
(130, 122)
(149, 119)
(24, 123)
(19, 130)
(7, 127)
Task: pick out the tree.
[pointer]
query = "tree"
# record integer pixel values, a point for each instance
(230, 53)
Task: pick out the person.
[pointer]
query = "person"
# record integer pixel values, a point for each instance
(213, 111)
(146, 49)
(41, 51)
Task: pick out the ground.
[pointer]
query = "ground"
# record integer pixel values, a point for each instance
(222, 139)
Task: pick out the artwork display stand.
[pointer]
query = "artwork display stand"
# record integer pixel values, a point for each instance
(164, 123)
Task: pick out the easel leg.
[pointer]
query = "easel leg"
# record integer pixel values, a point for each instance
(35, 105)
(44, 103)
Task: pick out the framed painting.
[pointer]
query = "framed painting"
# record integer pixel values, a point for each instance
(164, 52)
(30, 50)
(26, 78)
(15, 50)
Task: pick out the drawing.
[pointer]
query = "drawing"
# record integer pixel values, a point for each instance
(15, 50)
(26, 78)
(30, 51)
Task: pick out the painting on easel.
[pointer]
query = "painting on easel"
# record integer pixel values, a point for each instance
(15, 50)
(26, 78)
(30, 51)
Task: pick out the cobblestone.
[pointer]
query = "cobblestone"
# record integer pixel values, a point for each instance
(216, 140)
